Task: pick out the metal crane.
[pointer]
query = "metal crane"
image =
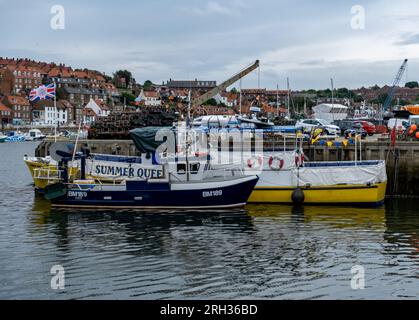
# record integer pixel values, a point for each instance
(213, 92)
(392, 90)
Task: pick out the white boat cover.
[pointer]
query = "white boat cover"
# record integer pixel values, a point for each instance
(334, 175)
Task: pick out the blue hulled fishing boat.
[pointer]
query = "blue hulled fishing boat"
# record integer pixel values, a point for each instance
(212, 194)
(180, 183)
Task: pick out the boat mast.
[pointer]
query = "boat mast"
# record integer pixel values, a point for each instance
(240, 97)
(333, 100)
(188, 126)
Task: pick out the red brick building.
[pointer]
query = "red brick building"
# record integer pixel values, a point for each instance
(5, 114)
(20, 106)
(26, 78)
(7, 81)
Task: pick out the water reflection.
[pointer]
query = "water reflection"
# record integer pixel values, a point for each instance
(264, 251)
(338, 217)
(148, 230)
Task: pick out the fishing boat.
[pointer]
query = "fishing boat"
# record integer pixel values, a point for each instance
(168, 190)
(34, 135)
(287, 178)
(2, 138)
(14, 136)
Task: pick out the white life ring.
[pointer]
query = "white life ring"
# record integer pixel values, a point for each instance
(255, 162)
(276, 163)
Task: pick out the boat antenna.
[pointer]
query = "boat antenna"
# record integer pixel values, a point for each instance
(188, 127)
(77, 140)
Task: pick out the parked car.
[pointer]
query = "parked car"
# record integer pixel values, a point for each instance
(368, 127)
(309, 124)
(344, 125)
(356, 129)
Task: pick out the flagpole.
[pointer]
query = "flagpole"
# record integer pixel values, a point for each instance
(55, 113)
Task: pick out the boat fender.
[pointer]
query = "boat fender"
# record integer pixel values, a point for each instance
(255, 162)
(299, 160)
(298, 196)
(276, 163)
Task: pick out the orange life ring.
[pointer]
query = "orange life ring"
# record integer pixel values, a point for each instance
(280, 165)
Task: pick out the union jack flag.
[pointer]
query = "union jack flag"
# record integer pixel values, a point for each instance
(43, 93)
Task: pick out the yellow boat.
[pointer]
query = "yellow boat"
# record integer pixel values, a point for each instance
(321, 183)
(44, 171)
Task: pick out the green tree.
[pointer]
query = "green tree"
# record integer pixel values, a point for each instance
(234, 90)
(381, 99)
(357, 98)
(123, 74)
(211, 102)
(107, 78)
(129, 98)
(147, 85)
(412, 84)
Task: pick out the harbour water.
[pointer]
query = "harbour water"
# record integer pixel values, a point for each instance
(262, 252)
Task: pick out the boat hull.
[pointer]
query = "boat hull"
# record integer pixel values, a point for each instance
(353, 195)
(143, 195)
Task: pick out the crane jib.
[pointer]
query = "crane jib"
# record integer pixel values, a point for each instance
(392, 90)
(210, 94)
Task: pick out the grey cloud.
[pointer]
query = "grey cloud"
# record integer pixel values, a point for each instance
(409, 39)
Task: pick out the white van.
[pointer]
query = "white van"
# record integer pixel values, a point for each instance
(400, 124)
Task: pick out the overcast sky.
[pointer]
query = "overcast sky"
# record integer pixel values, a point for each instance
(307, 41)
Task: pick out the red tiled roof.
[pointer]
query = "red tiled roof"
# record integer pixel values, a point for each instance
(13, 100)
(151, 94)
(4, 108)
